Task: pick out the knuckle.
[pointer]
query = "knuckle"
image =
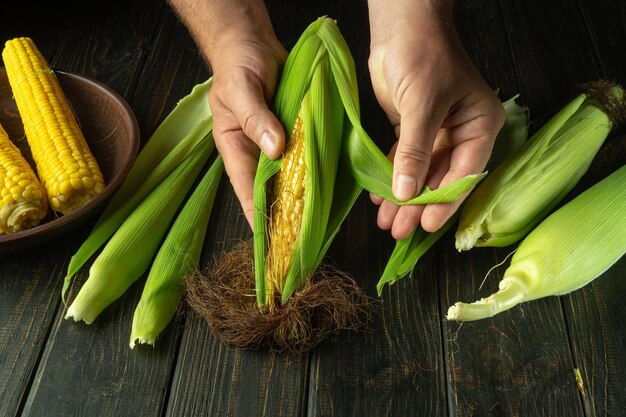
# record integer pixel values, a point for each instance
(410, 155)
(248, 119)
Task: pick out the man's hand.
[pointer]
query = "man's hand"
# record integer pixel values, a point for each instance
(237, 38)
(445, 116)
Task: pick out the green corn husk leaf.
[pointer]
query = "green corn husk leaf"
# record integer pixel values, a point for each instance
(529, 184)
(188, 123)
(569, 249)
(177, 257)
(129, 252)
(407, 252)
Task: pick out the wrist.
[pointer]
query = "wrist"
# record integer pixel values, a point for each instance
(218, 26)
(408, 18)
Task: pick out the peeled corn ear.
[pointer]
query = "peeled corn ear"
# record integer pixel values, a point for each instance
(23, 202)
(569, 249)
(66, 166)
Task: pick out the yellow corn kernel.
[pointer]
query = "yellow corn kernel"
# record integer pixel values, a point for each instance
(66, 166)
(286, 212)
(23, 202)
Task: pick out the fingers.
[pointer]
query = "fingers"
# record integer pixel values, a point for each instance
(247, 103)
(239, 152)
(240, 157)
(419, 126)
(469, 157)
(243, 123)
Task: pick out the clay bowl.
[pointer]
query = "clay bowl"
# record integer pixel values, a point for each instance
(112, 131)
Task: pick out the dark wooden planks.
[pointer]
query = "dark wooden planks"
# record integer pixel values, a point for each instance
(596, 321)
(396, 367)
(495, 363)
(30, 283)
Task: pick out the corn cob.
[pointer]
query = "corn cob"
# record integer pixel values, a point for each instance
(68, 170)
(301, 192)
(569, 249)
(23, 202)
(286, 213)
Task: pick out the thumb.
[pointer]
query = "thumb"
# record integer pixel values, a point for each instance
(256, 120)
(418, 129)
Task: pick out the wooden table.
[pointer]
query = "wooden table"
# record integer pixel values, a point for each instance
(411, 362)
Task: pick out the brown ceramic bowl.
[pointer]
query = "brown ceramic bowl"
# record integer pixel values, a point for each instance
(112, 131)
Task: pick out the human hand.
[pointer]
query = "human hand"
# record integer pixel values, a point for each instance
(244, 82)
(237, 38)
(445, 116)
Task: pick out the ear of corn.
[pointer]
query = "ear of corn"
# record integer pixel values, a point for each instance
(23, 202)
(131, 249)
(182, 130)
(522, 191)
(288, 246)
(177, 257)
(569, 249)
(66, 166)
(319, 89)
(407, 252)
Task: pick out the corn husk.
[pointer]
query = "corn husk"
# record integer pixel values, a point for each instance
(177, 258)
(130, 251)
(177, 135)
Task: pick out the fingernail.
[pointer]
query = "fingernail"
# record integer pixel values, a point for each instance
(268, 144)
(404, 187)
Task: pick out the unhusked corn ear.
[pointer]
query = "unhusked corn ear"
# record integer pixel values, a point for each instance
(530, 183)
(23, 202)
(289, 192)
(66, 166)
(569, 249)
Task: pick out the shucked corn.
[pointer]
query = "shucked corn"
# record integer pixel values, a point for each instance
(68, 170)
(23, 202)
